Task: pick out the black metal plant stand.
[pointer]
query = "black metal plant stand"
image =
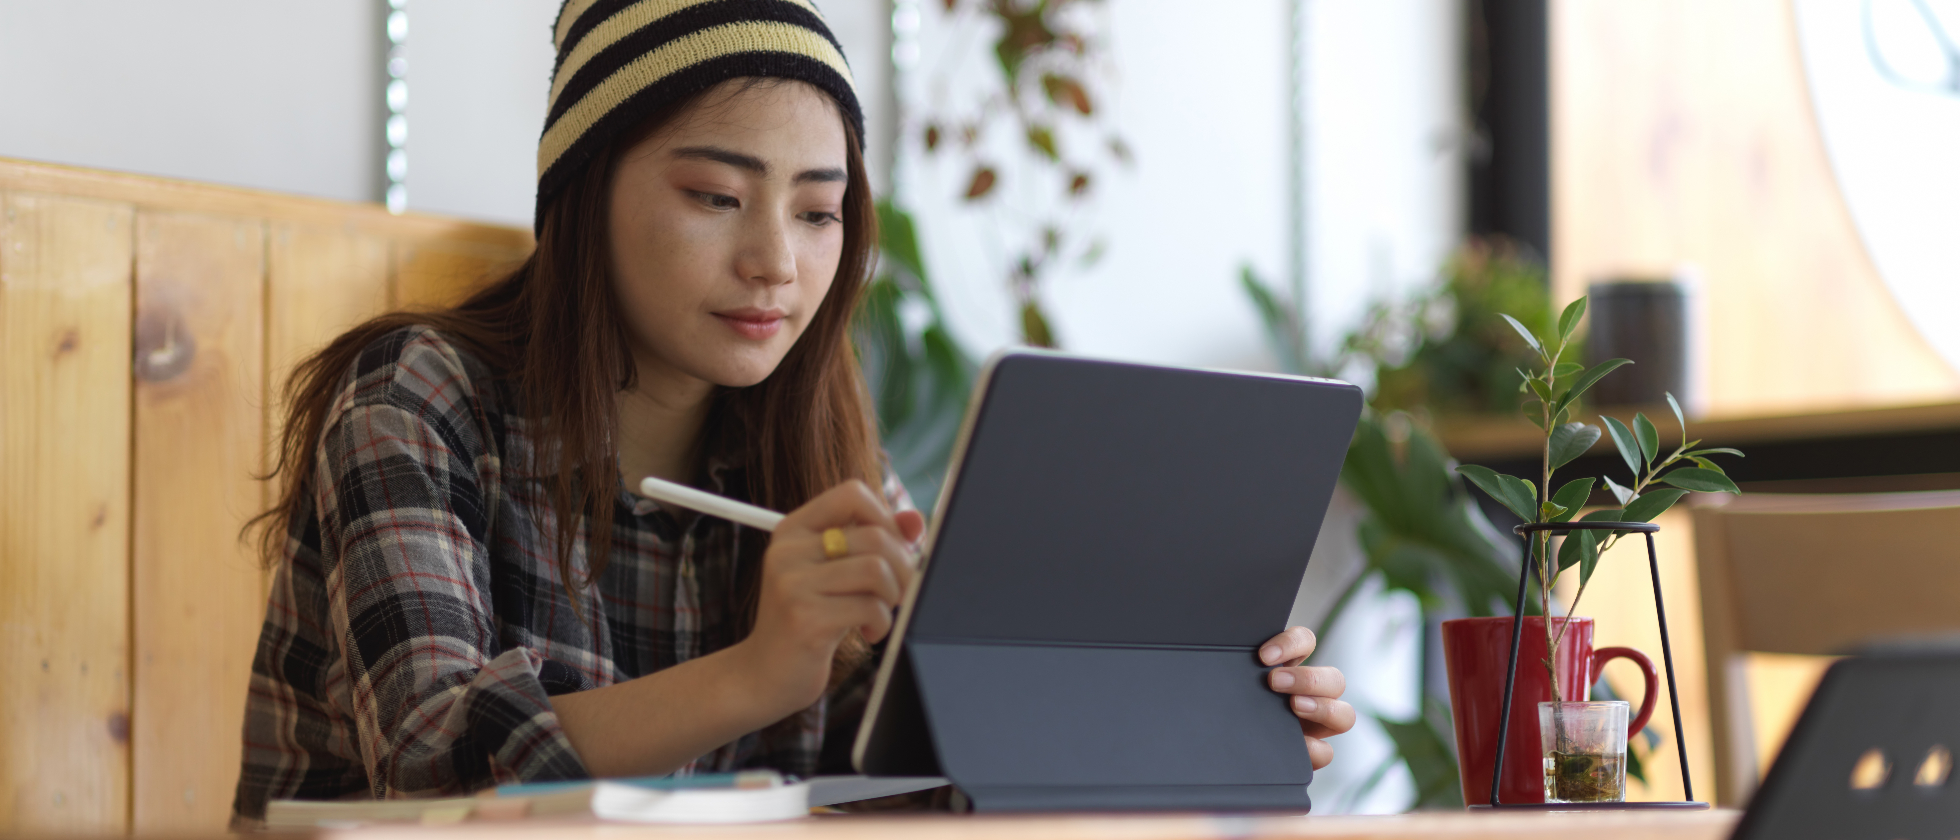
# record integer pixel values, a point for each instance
(1528, 531)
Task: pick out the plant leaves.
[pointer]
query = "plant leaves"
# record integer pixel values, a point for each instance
(1528, 337)
(1706, 464)
(1078, 184)
(1649, 437)
(1034, 327)
(1706, 481)
(1067, 92)
(981, 183)
(1652, 503)
(1587, 379)
(1624, 441)
(1569, 319)
(1533, 411)
(1679, 418)
(1577, 546)
(1563, 369)
(1550, 511)
(1509, 491)
(1571, 441)
(1621, 493)
(932, 137)
(1042, 138)
(1572, 497)
(1538, 387)
(1719, 451)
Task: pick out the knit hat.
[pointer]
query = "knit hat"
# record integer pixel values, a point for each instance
(621, 60)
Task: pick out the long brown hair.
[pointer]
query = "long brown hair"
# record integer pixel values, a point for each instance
(551, 329)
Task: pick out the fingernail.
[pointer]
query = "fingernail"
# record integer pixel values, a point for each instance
(1269, 654)
(1306, 705)
(1282, 679)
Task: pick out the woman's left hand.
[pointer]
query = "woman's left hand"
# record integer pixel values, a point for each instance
(1313, 693)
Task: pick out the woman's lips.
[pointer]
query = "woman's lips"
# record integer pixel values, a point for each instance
(753, 324)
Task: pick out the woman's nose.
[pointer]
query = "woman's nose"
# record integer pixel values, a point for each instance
(766, 255)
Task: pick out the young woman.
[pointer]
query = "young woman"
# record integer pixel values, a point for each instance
(466, 594)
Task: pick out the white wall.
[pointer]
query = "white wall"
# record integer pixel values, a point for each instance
(280, 96)
(287, 96)
(479, 77)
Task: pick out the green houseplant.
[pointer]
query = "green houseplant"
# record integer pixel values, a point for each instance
(1659, 480)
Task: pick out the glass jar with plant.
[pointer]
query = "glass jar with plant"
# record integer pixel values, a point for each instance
(1575, 772)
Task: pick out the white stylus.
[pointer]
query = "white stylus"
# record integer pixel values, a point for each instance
(709, 503)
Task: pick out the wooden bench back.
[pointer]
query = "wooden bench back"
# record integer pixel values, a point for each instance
(147, 325)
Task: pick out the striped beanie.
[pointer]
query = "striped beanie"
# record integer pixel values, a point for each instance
(621, 60)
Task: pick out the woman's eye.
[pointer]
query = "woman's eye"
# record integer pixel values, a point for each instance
(717, 200)
(822, 217)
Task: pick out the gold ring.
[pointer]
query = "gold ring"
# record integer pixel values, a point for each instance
(834, 543)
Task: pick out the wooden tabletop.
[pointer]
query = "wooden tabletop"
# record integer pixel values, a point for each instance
(1624, 825)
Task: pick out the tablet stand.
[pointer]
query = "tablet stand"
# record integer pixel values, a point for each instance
(1648, 530)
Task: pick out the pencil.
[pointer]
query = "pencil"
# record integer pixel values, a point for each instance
(709, 503)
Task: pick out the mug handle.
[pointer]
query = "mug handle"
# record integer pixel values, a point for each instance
(1653, 679)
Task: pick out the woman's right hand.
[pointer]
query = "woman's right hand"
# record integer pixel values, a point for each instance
(810, 602)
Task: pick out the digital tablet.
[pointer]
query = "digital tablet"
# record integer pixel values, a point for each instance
(1113, 543)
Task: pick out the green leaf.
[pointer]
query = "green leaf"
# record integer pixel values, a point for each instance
(1569, 319)
(1509, 491)
(1589, 558)
(1528, 337)
(1572, 497)
(1679, 418)
(1587, 379)
(1564, 369)
(1571, 441)
(1719, 451)
(1533, 411)
(1706, 464)
(899, 238)
(1624, 441)
(1281, 322)
(1649, 437)
(1539, 387)
(1550, 511)
(1577, 546)
(1621, 493)
(1706, 481)
(1651, 504)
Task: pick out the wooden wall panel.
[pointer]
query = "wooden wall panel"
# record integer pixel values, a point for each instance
(432, 274)
(64, 514)
(1682, 136)
(199, 363)
(321, 281)
(120, 517)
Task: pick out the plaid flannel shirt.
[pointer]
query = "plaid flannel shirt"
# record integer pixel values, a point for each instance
(417, 622)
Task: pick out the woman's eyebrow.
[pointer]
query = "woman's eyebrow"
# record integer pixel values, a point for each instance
(756, 164)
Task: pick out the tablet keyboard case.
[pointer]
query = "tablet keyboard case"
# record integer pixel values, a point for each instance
(1118, 541)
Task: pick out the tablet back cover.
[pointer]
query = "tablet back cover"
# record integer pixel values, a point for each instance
(1117, 541)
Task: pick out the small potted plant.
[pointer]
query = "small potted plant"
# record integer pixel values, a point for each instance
(1584, 744)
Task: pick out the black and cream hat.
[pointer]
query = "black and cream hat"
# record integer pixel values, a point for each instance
(621, 60)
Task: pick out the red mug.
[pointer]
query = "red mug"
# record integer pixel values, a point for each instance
(1475, 650)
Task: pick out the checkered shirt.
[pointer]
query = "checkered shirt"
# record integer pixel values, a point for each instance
(417, 623)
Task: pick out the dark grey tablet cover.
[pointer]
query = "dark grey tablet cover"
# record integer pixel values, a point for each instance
(1905, 703)
(1114, 542)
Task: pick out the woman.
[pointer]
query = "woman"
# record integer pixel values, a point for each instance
(465, 593)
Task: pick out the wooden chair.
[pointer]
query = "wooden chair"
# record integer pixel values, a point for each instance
(1818, 575)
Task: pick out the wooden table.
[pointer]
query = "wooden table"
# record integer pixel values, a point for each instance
(1625, 825)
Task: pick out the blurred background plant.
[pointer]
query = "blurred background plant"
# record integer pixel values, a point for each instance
(919, 377)
(1047, 98)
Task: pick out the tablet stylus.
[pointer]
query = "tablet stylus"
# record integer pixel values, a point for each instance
(709, 503)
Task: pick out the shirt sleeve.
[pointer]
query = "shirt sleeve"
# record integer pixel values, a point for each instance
(404, 472)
